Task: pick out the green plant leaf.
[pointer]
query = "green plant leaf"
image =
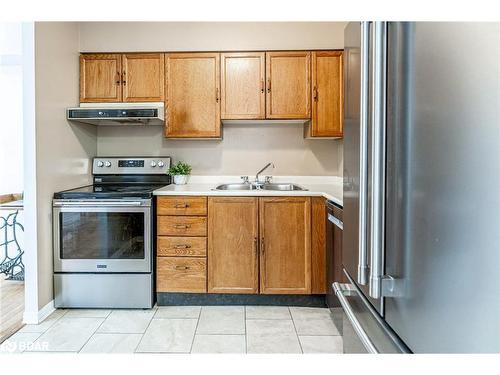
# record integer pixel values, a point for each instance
(181, 168)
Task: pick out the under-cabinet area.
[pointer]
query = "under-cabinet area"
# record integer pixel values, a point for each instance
(201, 90)
(241, 245)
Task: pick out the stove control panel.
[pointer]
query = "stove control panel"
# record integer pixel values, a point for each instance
(124, 165)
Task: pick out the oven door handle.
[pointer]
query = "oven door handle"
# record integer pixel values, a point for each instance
(100, 204)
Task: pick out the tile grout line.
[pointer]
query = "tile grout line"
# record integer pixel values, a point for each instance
(195, 329)
(145, 330)
(93, 333)
(245, 321)
(49, 327)
(296, 333)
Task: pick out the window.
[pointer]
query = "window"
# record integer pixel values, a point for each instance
(11, 106)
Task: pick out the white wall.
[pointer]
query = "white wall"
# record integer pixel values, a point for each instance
(63, 150)
(244, 149)
(209, 36)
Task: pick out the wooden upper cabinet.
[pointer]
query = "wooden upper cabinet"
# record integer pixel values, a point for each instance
(327, 94)
(243, 85)
(192, 95)
(285, 245)
(100, 78)
(233, 245)
(288, 85)
(142, 77)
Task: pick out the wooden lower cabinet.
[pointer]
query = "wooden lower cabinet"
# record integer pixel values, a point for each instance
(182, 275)
(318, 245)
(233, 245)
(285, 245)
(246, 245)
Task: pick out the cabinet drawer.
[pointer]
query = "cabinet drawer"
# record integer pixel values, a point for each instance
(188, 275)
(182, 226)
(180, 205)
(182, 246)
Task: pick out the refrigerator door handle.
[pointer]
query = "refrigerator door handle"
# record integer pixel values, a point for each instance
(341, 291)
(378, 146)
(363, 153)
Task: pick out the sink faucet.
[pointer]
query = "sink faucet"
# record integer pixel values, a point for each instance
(262, 170)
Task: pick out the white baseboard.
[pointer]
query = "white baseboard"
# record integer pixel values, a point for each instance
(36, 317)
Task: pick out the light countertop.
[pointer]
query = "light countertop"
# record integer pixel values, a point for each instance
(317, 186)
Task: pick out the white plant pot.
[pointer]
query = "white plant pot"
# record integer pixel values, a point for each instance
(180, 179)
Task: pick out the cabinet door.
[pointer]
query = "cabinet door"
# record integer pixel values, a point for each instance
(318, 245)
(142, 77)
(193, 95)
(100, 78)
(242, 85)
(285, 245)
(327, 94)
(288, 85)
(233, 245)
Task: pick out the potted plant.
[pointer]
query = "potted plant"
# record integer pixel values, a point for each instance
(180, 172)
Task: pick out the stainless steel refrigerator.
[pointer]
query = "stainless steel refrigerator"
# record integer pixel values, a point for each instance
(421, 245)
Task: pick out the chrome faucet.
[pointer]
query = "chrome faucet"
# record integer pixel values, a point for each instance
(262, 170)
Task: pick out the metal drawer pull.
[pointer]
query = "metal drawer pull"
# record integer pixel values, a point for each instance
(182, 246)
(124, 78)
(335, 221)
(181, 268)
(118, 78)
(341, 290)
(182, 226)
(181, 205)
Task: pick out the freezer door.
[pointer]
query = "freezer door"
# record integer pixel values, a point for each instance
(443, 184)
(357, 53)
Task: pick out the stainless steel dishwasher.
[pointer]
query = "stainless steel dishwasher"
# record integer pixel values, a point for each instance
(334, 228)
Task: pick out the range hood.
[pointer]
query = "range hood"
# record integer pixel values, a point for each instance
(113, 114)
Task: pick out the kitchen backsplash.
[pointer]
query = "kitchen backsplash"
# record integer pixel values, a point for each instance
(244, 150)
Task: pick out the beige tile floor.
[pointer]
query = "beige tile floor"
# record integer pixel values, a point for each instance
(182, 329)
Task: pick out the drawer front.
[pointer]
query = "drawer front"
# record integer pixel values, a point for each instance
(181, 205)
(186, 275)
(182, 226)
(182, 246)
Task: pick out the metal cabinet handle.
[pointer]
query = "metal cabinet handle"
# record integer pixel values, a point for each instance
(378, 139)
(315, 93)
(181, 205)
(262, 86)
(269, 85)
(262, 246)
(181, 267)
(182, 246)
(363, 154)
(217, 95)
(182, 226)
(117, 78)
(124, 78)
(340, 291)
(336, 221)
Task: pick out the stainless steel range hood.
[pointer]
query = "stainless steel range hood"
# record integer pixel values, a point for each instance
(113, 114)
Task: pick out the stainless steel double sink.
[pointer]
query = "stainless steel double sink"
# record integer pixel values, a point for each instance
(265, 186)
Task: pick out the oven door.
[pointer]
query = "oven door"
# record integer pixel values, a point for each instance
(102, 236)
